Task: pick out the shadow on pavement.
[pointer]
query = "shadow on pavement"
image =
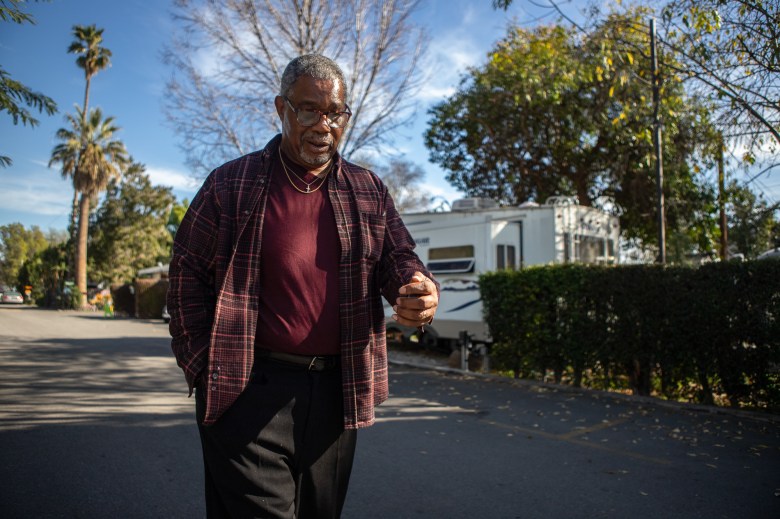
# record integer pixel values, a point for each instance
(96, 428)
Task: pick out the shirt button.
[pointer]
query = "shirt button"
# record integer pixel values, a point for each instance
(214, 376)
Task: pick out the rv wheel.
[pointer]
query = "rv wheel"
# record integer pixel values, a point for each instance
(395, 337)
(427, 340)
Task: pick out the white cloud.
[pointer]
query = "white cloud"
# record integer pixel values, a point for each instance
(433, 93)
(42, 163)
(43, 199)
(469, 15)
(441, 190)
(178, 180)
(450, 55)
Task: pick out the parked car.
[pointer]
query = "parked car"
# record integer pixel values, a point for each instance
(11, 297)
(165, 315)
(770, 254)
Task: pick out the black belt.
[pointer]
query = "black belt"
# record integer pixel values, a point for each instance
(307, 362)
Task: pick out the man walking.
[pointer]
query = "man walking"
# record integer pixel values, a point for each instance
(276, 285)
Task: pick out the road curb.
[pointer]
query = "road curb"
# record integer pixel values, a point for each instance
(650, 401)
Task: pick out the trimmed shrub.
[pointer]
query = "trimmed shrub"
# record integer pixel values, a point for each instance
(710, 334)
(124, 300)
(150, 297)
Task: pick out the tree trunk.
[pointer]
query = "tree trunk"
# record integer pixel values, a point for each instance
(79, 211)
(81, 248)
(74, 215)
(582, 193)
(86, 99)
(74, 221)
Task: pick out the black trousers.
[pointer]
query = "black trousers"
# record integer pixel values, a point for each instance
(281, 450)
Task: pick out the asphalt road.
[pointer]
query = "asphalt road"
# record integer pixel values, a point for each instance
(95, 423)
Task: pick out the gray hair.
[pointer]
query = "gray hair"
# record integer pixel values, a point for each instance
(314, 65)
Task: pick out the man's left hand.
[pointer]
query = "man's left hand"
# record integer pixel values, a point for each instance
(417, 303)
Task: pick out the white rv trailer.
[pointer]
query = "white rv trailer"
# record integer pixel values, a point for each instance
(476, 236)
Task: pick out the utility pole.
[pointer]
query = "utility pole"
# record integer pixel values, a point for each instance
(659, 167)
(724, 229)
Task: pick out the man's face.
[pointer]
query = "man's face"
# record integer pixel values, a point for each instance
(311, 146)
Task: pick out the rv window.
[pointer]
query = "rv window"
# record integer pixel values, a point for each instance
(440, 253)
(505, 257)
(451, 260)
(455, 266)
(590, 249)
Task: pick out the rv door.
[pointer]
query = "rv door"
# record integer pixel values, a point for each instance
(507, 245)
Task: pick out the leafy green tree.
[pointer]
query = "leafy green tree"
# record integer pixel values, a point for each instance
(56, 236)
(129, 231)
(17, 245)
(176, 216)
(93, 157)
(730, 50)
(553, 112)
(45, 272)
(752, 225)
(730, 54)
(15, 96)
(727, 52)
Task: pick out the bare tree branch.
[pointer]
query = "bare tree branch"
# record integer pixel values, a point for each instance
(228, 57)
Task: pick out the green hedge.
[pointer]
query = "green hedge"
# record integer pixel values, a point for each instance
(710, 334)
(150, 297)
(124, 299)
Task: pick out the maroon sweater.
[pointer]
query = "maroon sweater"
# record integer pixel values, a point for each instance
(299, 267)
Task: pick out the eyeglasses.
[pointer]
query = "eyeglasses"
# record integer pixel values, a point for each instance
(310, 116)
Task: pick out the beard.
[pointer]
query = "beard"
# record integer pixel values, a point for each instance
(316, 159)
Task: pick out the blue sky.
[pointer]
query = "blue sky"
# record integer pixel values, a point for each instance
(461, 33)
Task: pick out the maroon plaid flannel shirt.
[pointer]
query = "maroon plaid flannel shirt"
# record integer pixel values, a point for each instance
(214, 275)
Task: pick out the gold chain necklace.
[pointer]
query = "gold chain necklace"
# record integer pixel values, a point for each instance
(309, 190)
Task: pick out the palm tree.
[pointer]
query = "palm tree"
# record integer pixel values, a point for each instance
(92, 58)
(89, 155)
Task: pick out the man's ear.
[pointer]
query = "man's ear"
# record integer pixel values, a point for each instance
(279, 103)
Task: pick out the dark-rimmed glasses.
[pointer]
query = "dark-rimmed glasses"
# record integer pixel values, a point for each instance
(310, 116)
